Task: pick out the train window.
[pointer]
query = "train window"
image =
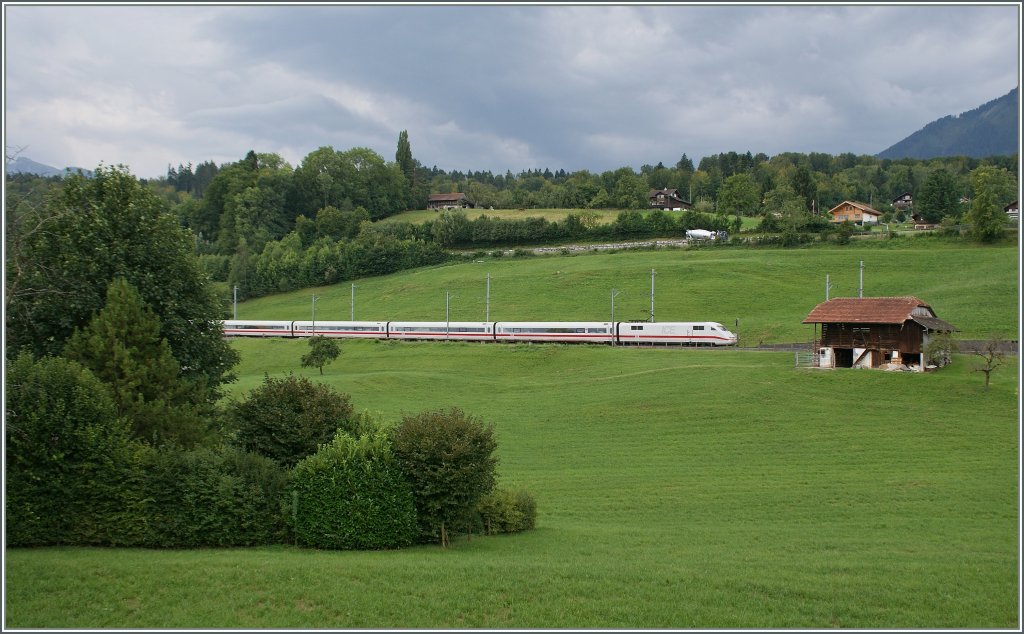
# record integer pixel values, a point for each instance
(698, 327)
(636, 327)
(599, 331)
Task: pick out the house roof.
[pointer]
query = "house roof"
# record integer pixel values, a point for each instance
(438, 198)
(1011, 206)
(902, 196)
(874, 310)
(865, 209)
(668, 192)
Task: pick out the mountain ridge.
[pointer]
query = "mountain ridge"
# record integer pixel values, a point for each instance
(991, 129)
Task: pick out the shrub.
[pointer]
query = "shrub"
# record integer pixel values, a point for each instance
(447, 456)
(67, 455)
(212, 498)
(351, 494)
(288, 419)
(505, 511)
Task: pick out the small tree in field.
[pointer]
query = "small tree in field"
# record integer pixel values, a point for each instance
(448, 458)
(992, 357)
(321, 352)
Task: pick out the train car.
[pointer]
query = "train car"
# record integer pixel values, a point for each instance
(343, 329)
(568, 331)
(441, 330)
(702, 333)
(239, 328)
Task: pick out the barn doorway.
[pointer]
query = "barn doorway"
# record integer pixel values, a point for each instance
(844, 357)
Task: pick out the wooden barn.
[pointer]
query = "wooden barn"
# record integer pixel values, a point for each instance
(869, 332)
(457, 200)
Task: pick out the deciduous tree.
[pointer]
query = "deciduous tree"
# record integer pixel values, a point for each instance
(448, 457)
(321, 352)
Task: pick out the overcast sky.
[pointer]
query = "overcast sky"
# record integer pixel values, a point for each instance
(491, 87)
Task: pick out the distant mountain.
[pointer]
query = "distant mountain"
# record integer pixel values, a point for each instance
(23, 165)
(989, 130)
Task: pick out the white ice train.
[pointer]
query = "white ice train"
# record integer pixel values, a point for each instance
(699, 333)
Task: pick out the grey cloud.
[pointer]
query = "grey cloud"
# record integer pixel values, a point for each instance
(511, 87)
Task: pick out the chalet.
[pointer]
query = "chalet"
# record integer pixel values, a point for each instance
(1012, 211)
(449, 201)
(903, 202)
(669, 199)
(857, 213)
(870, 332)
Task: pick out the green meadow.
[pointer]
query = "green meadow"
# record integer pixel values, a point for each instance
(768, 291)
(676, 488)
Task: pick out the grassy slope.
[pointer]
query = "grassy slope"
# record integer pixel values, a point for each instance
(676, 489)
(769, 291)
(604, 216)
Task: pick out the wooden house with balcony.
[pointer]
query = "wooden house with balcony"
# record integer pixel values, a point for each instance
(857, 213)
(667, 199)
(455, 200)
(869, 332)
(903, 202)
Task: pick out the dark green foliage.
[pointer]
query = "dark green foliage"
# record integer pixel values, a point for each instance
(211, 498)
(123, 348)
(68, 455)
(939, 197)
(111, 226)
(351, 494)
(448, 457)
(991, 186)
(506, 511)
(288, 419)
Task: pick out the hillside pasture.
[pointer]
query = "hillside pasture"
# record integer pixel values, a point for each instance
(768, 291)
(675, 489)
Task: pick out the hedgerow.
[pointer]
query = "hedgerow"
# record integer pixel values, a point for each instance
(351, 494)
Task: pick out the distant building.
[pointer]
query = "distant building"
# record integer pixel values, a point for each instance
(449, 201)
(870, 332)
(669, 199)
(857, 213)
(1012, 211)
(903, 202)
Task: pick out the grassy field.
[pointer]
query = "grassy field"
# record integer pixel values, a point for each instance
(604, 216)
(675, 489)
(769, 291)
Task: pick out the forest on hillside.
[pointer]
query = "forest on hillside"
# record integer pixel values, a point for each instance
(266, 226)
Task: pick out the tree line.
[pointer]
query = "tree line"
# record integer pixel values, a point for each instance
(117, 432)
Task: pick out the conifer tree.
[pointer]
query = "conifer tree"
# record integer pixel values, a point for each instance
(123, 348)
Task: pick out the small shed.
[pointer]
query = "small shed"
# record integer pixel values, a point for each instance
(869, 332)
(455, 200)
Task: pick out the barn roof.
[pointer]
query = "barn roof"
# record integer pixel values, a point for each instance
(875, 310)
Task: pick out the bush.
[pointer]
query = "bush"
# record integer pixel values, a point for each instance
(504, 511)
(351, 494)
(212, 498)
(68, 454)
(288, 419)
(447, 456)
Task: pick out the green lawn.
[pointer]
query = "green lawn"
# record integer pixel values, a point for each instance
(769, 291)
(675, 489)
(604, 216)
